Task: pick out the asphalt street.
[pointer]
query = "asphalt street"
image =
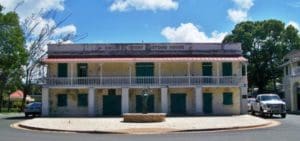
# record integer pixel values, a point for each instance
(287, 131)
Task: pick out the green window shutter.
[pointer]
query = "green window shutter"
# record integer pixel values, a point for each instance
(144, 69)
(62, 70)
(82, 70)
(243, 70)
(207, 69)
(62, 100)
(82, 100)
(227, 99)
(227, 69)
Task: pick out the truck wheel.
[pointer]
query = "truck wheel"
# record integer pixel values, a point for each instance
(252, 111)
(283, 115)
(261, 113)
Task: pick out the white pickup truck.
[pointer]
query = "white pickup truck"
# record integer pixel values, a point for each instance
(269, 104)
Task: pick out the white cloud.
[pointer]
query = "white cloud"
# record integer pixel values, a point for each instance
(25, 9)
(188, 32)
(293, 23)
(240, 13)
(65, 30)
(244, 4)
(237, 15)
(125, 5)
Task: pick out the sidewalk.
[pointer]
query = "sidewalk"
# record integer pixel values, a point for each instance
(116, 125)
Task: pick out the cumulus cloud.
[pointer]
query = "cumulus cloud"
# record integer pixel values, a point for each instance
(25, 9)
(293, 23)
(240, 12)
(125, 5)
(188, 32)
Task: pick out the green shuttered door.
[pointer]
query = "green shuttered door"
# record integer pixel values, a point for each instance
(207, 103)
(111, 103)
(82, 70)
(207, 69)
(227, 69)
(178, 103)
(62, 70)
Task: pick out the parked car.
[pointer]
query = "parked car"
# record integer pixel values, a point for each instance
(34, 108)
(269, 104)
(250, 102)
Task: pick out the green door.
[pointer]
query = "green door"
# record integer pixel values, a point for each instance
(227, 69)
(207, 103)
(139, 104)
(62, 70)
(298, 101)
(207, 69)
(111, 103)
(178, 103)
(82, 70)
(144, 70)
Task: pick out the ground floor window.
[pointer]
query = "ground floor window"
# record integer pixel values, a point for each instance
(82, 100)
(62, 100)
(227, 99)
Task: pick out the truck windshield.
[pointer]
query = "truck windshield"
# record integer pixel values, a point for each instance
(272, 97)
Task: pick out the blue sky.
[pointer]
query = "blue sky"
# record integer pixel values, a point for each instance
(108, 21)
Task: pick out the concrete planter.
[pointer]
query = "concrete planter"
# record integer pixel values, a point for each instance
(139, 117)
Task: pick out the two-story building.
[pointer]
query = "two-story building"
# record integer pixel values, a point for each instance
(108, 79)
(291, 80)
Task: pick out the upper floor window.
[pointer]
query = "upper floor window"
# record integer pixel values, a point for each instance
(207, 69)
(227, 68)
(82, 69)
(62, 70)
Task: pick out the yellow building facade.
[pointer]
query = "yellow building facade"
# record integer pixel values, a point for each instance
(173, 78)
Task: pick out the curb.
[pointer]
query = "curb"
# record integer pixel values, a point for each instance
(272, 123)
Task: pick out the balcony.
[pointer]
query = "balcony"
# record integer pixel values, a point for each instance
(126, 81)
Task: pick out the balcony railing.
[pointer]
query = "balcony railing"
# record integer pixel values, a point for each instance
(146, 81)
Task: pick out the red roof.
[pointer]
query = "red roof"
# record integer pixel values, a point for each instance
(170, 59)
(16, 95)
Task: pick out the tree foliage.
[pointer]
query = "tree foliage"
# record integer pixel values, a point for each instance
(264, 44)
(13, 55)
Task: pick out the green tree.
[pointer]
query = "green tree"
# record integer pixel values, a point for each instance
(12, 53)
(264, 44)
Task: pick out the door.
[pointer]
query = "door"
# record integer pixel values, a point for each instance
(298, 101)
(82, 70)
(139, 104)
(207, 103)
(145, 71)
(227, 69)
(112, 103)
(207, 71)
(178, 104)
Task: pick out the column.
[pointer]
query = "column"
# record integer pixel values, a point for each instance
(125, 100)
(218, 73)
(164, 100)
(45, 101)
(91, 101)
(243, 100)
(189, 72)
(199, 100)
(159, 73)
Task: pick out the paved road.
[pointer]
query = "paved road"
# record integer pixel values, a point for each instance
(287, 131)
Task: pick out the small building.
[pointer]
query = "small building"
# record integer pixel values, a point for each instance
(291, 80)
(181, 79)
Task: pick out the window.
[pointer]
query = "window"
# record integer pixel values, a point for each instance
(82, 100)
(62, 70)
(227, 99)
(82, 70)
(287, 70)
(227, 69)
(62, 100)
(207, 69)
